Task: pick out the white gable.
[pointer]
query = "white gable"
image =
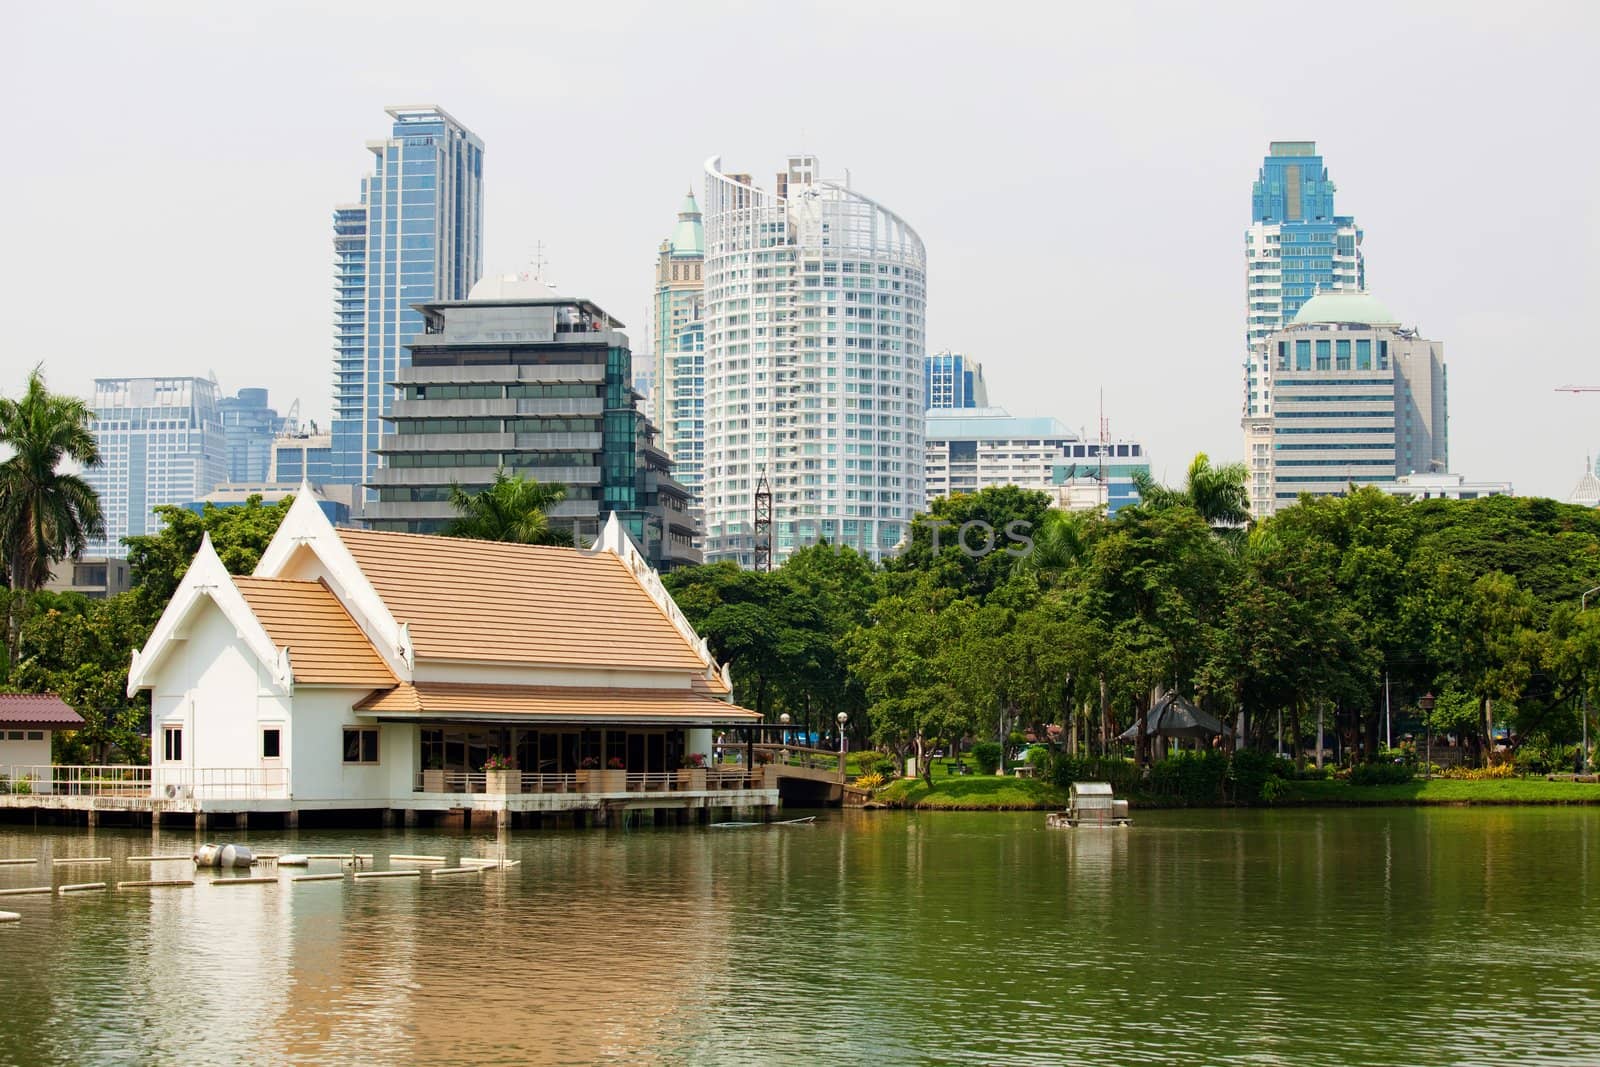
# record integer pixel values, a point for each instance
(207, 580)
(307, 546)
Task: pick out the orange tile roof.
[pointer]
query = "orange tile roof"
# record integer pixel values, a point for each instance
(532, 605)
(325, 645)
(555, 703)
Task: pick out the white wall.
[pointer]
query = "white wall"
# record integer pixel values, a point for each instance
(24, 753)
(320, 773)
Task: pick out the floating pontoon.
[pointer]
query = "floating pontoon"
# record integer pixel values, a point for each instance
(1090, 804)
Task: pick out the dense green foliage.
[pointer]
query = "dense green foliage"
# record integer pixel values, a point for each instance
(1308, 612)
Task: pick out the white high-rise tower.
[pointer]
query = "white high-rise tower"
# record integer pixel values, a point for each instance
(814, 299)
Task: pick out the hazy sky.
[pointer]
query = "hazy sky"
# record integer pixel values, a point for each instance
(1080, 175)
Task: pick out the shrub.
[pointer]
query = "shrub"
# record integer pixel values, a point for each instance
(986, 754)
(1480, 774)
(869, 782)
(1381, 774)
(1037, 756)
(1121, 774)
(1193, 777)
(1252, 772)
(884, 766)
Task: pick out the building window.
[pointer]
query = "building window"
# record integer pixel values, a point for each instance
(172, 744)
(271, 743)
(35, 735)
(360, 745)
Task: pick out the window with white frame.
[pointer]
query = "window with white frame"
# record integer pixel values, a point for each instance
(172, 744)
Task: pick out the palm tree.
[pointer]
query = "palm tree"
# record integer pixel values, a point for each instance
(514, 509)
(45, 515)
(1217, 494)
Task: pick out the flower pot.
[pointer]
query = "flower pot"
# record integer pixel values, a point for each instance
(692, 778)
(502, 782)
(602, 781)
(433, 781)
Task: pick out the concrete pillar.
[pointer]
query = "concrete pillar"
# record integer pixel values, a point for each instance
(241, 821)
(411, 817)
(291, 820)
(201, 821)
(388, 818)
(502, 819)
(94, 817)
(155, 819)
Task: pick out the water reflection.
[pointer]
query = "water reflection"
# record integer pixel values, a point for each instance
(1309, 937)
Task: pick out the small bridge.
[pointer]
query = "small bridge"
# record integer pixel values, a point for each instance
(807, 777)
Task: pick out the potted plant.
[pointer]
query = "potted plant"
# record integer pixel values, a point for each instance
(433, 775)
(692, 773)
(501, 775)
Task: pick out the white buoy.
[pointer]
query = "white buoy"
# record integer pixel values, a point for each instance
(294, 859)
(9, 917)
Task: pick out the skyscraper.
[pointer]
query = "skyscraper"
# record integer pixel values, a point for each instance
(954, 381)
(161, 442)
(815, 300)
(1295, 245)
(678, 385)
(1356, 399)
(250, 425)
(520, 378)
(415, 236)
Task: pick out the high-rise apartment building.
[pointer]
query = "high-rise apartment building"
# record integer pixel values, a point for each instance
(678, 334)
(1351, 397)
(416, 235)
(250, 426)
(952, 380)
(519, 378)
(161, 441)
(1296, 245)
(814, 337)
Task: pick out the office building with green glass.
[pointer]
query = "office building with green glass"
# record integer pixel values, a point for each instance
(518, 378)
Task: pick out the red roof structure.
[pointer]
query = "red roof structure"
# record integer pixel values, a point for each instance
(37, 711)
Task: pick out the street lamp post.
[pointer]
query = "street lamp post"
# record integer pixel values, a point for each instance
(1426, 704)
(841, 718)
(784, 752)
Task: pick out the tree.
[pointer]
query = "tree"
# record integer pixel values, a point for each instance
(1217, 494)
(45, 515)
(514, 509)
(79, 650)
(157, 562)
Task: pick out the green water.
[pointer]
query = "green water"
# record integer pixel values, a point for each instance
(1341, 937)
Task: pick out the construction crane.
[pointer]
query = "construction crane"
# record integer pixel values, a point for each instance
(1578, 388)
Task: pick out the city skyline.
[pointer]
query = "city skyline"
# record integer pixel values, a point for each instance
(1157, 162)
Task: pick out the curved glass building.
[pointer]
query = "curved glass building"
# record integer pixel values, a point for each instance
(814, 339)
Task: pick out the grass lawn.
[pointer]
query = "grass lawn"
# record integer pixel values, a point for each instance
(973, 793)
(1443, 791)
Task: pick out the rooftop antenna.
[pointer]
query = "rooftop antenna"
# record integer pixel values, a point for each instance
(1105, 440)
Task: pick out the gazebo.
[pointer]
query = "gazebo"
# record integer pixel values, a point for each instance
(1173, 716)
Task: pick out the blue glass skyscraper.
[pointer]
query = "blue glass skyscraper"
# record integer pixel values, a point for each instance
(1296, 245)
(415, 236)
(952, 380)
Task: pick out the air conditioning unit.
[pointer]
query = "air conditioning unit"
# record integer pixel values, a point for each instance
(172, 791)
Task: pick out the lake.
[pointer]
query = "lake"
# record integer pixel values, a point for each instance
(1379, 936)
